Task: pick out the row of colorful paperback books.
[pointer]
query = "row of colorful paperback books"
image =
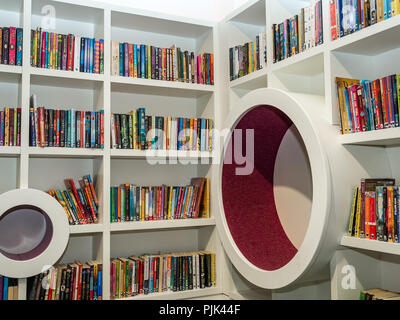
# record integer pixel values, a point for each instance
(80, 204)
(299, 33)
(10, 127)
(349, 16)
(248, 58)
(368, 105)
(138, 131)
(8, 288)
(65, 128)
(379, 294)
(133, 203)
(73, 281)
(152, 274)
(375, 211)
(169, 64)
(11, 41)
(66, 52)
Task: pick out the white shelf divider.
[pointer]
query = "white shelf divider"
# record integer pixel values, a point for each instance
(371, 245)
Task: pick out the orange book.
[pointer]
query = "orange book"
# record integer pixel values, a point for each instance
(390, 217)
(7, 127)
(130, 52)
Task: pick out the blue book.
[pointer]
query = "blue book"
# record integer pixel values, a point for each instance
(2, 128)
(203, 135)
(5, 288)
(340, 9)
(134, 59)
(69, 129)
(93, 130)
(131, 203)
(121, 60)
(100, 283)
(126, 59)
(389, 8)
(18, 60)
(356, 20)
(183, 203)
(349, 113)
(91, 55)
(46, 53)
(82, 62)
(87, 47)
(142, 61)
(385, 9)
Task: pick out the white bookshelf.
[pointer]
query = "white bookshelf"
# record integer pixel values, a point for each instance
(367, 54)
(45, 168)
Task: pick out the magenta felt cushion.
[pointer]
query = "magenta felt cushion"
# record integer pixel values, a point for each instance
(248, 200)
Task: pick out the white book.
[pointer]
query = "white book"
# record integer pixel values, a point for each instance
(115, 59)
(77, 54)
(113, 140)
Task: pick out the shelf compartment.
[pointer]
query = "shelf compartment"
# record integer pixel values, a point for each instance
(252, 81)
(37, 152)
(86, 229)
(11, 13)
(371, 245)
(161, 87)
(309, 62)
(160, 225)
(176, 295)
(385, 137)
(252, 12)
(373, 40)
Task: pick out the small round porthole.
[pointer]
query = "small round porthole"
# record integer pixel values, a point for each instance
(25, 232)
(34, 232)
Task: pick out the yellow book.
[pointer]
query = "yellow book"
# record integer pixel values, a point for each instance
(353, 209)
(379, 10)
(357, 228)
(148, 62)
(205, 200)
(393, 7)
(250, 57)
(6, 127)
(191, 134)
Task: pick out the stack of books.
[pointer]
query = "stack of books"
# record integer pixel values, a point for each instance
(375, 211)
(379, 294)
(368, 105)
(299, 33)
(132, 203)
(248, 58)
(66, 52)
(162, 273)
(169, 64)
(140, 132)
(11, 41)
(8, 288)
(74, 281)
(10, 127)
(80, 204)
(349, 16)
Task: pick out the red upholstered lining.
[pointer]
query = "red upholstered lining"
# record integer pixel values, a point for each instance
(249, 200)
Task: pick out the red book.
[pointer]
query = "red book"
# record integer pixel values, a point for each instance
(372, 228)
(70, 52)
(43, 49)
(353, 91)
(141, 276)
(79, 280)
(41, 127)
(199, 182)
(12, 45)
(102, 129)
(362, 110)
(69, 183)
(58, 128)
(384, 103)
(377, 103)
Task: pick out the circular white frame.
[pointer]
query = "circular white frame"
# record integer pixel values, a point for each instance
(308, 252)
(58, 243)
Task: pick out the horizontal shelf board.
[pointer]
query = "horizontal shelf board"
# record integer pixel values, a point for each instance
(372, 40)
(309, 62)
(252, 12)
(159, 154)
(159, 225)
(86, 228)
(252, 81)
(371, 245)
(4, 68)
(66, 74)
(383, 137)
(65, 152)
(176, 295)
(10, 151)
(160, 87)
